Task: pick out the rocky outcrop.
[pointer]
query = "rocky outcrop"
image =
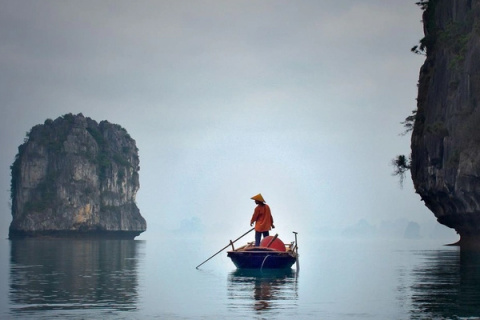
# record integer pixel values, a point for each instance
(76, 177)
(445, 143)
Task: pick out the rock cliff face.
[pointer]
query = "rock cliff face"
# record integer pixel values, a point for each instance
(76, 177)
(445, 141)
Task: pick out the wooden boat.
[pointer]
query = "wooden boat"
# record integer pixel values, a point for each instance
(271, 254)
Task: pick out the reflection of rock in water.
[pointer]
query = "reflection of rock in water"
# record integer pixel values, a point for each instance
(267, 289)
(73, 274)
(447, 286)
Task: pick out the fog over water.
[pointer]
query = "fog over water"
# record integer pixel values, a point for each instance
(301, 101)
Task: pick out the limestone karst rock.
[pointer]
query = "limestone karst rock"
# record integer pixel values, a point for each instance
(445, 142)
(76, 177)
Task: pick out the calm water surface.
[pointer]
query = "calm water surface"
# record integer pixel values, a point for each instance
(338, 279)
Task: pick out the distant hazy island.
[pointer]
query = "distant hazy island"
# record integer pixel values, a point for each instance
(74, 177)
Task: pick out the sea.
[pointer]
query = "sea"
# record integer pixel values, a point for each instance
(158, 279)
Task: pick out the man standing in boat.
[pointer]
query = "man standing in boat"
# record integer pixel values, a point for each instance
(262, 216)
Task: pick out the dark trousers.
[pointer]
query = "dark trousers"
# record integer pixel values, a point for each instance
(258, 236)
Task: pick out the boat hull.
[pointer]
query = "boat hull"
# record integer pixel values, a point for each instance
(257, 259)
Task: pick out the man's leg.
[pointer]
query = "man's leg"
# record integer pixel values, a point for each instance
(258, 236)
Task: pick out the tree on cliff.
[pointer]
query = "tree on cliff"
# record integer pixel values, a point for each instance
(402, 163)
(426, 43)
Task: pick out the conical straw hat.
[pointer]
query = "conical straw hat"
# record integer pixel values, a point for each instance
(258, 197)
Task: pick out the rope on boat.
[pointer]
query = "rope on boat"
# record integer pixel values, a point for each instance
(264, 261)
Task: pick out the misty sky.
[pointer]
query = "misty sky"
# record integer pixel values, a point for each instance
(299, 100)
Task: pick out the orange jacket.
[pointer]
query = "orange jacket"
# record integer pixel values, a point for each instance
(262, 217)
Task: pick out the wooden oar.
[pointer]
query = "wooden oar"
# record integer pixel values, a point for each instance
(231, 242)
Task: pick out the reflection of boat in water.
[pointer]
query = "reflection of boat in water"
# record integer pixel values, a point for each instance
(271, 254)
(274, 289)
(240, 275)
